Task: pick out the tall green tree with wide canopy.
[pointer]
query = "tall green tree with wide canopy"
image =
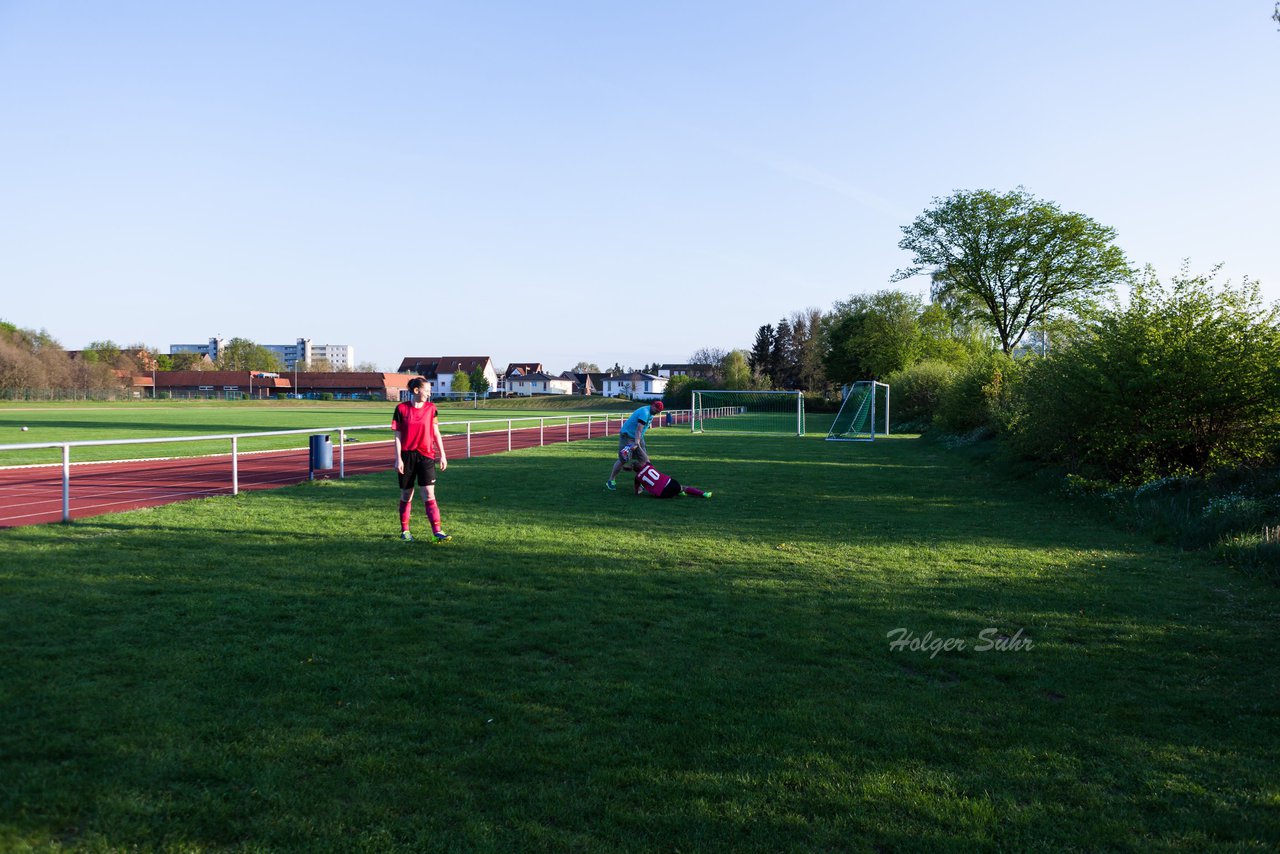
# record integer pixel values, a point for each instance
(241, 354)
(869, 336)
(1022, 260)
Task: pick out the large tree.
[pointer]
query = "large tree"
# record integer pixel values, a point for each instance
(1021, 259)
(734, 369)
(104, 352)
(479, 382)
(189, 362)
(761, 351)
(870, 336)
(241, 354)
(807, 346)
(783, 364)
(712, 356)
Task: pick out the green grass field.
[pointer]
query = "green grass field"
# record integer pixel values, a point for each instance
(589, 671)
(64, 422)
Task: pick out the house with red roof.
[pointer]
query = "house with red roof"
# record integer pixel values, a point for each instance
(440, 370)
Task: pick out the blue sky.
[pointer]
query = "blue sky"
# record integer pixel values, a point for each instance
(560, 181)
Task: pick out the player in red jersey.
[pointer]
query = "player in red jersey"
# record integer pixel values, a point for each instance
(659, 485)
(419, 451)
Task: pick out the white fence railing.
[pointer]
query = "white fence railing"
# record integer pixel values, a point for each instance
(470, 432)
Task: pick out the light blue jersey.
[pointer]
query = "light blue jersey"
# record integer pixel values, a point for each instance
(636, 424)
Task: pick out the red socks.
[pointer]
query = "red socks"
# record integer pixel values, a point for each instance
(433, 515)
(694, 491)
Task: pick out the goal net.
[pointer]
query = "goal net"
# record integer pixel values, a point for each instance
(864, 413)
(772, 412)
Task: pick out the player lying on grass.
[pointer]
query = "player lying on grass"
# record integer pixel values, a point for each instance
(657, 484)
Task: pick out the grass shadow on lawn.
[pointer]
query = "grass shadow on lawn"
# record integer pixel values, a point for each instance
(581, 669)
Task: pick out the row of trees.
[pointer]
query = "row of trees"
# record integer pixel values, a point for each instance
(475, 381)
(1024, 334)
(36, 360)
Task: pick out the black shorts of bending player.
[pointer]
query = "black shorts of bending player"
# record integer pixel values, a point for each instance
(417, 468)
(672, 489)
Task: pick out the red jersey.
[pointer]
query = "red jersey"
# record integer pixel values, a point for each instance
(652, 480)
(417, 427)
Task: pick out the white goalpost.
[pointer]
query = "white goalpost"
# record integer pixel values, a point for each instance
(463, 397)
(862, 407)
(769, 412)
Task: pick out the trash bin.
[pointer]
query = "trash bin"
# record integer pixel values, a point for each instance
(321, 453)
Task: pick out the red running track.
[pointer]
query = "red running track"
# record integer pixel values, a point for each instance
(33, 495)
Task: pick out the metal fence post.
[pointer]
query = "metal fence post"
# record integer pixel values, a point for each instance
(235, 466)
(468, 440)
(66, 483)
(342, 454)
(509, 434)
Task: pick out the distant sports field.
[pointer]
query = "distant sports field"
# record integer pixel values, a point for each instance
(71, 422)
(590, 671)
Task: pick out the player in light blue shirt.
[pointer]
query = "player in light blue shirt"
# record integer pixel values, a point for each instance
(633, 430)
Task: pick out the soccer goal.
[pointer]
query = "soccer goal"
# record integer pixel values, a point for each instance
(865, 403)
(460, 397)
(773, 412)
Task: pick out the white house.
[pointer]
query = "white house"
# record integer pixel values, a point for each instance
(516, 369)
(636, 385)
(538, 382)
(439, 370)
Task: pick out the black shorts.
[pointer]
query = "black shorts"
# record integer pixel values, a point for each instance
(672, 489)
(417, 467)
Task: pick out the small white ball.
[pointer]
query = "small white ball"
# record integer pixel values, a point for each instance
(25, 428)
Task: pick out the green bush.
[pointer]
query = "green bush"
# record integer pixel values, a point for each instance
(980, 395)
(1183, 380)
(679, 391)
(1255, 553)
(326, 395)
(917, 390)
(1235, 513)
